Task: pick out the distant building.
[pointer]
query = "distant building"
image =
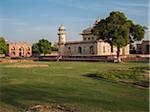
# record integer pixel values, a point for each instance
(20, 49)
(144, 47)
(89, 45)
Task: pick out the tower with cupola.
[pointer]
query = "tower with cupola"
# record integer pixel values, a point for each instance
(61, 39)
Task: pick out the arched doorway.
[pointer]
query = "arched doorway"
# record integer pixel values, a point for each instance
(21, 51)
(13, 53)
(69, 50)
(28, 53)
(91, 50)
(147, 49)
(80, 50)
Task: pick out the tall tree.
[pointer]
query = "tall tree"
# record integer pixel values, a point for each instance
(3, 46)
(118, 31)
(42, 47)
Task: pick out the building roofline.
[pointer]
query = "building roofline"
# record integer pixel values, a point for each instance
(146, 41)
(79, 42)
(20, 43)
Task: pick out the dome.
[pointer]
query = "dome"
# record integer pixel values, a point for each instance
(87, 30)
(97, 21)
(61, 27)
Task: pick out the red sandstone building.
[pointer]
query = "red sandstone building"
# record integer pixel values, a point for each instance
(20, 49)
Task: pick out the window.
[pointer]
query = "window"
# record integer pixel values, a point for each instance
(92, 38)
(28, 49)
(13, 49)
(19, 49)
(69, 49)
(20, 54)
(147, 49)
(13, 53)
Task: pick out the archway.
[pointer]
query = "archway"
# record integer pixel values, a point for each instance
(91, 50)
(80, 50)
(69, 50)
(20, 53)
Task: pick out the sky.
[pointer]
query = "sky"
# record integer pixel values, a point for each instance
(31, 20)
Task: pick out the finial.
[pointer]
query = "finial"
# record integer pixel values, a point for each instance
(97, 20)
(62, 27)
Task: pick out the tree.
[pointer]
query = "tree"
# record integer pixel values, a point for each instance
(132, 49)
(118, 31)
(3, 46)
(42, 47)
(35, 48)
(55, 47)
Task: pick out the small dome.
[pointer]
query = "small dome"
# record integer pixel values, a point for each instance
(87, 30)
(61, 27)
(97, 21)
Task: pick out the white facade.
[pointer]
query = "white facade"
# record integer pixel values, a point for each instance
(89, 45)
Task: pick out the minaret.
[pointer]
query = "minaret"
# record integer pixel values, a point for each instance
(61, 35)
(61, 39)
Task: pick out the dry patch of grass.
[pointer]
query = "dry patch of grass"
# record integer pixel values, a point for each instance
(26, 65)
(48, 108)
(14, 60)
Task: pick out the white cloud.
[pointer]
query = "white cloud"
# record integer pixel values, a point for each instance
(12, 21)
(132, 4)
(82, 4)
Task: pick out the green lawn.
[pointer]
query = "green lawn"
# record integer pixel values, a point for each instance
(66, 83)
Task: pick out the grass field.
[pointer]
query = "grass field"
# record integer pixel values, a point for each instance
(67, 83)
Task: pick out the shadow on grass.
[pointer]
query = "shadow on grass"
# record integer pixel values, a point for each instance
(17, 95)
(135, 76)
(22, 96)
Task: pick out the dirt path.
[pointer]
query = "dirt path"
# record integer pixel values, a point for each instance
(26, 65)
